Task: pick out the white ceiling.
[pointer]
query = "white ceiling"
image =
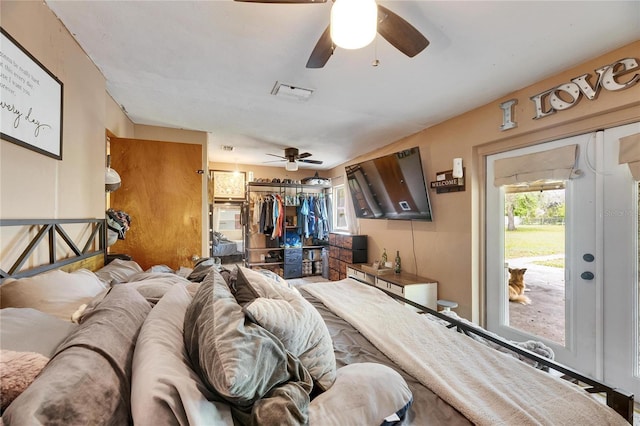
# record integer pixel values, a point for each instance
(211, 65)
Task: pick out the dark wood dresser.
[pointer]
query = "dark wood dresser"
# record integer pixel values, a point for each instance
(345, 250)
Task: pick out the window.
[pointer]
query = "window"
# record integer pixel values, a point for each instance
(340, 211)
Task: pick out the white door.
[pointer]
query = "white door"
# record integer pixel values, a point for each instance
(621, 223)
(560, 257)
(598, 331)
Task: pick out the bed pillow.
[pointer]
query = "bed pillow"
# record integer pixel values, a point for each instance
(118, 271)
(56, 292)
(275, 277)
(363, 394)
(202, 268)
(292, 319)
(164, 388)
(90, 373)
(17, 371)
(29, 330)
(251, 284)
(241, 362)
(154, 285)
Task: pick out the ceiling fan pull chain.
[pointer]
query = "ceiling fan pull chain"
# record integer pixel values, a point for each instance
(375, 62)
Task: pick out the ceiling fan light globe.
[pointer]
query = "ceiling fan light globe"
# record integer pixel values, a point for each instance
(291, 166)
(353, 23)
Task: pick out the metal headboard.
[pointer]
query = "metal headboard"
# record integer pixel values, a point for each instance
(53, 231)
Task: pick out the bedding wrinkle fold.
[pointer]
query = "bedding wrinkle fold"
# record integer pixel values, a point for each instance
(486, 386)
(87, 381)
(165, 389)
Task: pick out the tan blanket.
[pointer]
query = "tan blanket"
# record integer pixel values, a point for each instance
(486, 386)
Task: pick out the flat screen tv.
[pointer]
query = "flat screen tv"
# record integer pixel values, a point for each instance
(390, 187)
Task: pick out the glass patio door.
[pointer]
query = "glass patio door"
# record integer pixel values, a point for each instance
(578, 238)
(546, 224)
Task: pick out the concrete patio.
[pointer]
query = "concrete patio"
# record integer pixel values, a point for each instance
(545, 316)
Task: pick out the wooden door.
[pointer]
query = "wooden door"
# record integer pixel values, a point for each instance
(162, 192)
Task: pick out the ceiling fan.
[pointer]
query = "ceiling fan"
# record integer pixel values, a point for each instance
(398, 32)
(292, 157)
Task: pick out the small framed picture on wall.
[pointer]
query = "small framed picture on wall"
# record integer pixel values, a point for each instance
(228, 185)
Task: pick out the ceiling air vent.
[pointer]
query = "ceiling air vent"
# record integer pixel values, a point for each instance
(227, 148)
(286, 91)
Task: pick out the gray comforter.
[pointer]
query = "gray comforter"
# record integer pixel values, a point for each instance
(87, 381)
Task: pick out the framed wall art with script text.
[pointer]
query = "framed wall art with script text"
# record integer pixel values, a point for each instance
(30, 100)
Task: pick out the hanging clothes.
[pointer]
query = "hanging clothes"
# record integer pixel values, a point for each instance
(303, 215)
(322, 218)
(267, 225)
(311, 218)
(118, 221)
(257, 209)
(278, 217)
(329, 213)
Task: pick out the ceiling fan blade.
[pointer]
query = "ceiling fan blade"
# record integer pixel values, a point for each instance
(304, 155)
(401, 34)
(275, 161)
(310, 161)
(279, 156)
(282, 1)
(323, 50)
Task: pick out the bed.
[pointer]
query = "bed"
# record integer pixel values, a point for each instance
(224, 247)
(159, 347)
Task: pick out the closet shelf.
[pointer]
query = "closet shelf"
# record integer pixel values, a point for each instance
(288, 185)
(250, 264)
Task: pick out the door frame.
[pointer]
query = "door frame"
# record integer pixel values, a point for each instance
(621, 302)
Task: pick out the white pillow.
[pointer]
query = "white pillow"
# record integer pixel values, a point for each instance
(364, 393)
(56, 292)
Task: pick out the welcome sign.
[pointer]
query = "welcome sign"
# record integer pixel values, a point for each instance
(30, 100)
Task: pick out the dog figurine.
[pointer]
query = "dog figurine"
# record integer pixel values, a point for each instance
(517, 286)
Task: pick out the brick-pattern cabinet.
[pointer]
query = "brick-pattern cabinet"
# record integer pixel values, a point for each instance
(345, 250)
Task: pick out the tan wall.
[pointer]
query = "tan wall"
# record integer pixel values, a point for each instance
(451, 248)
(116, 120)
(36, 186)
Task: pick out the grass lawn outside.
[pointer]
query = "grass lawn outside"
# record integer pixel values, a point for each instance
(535, 240)
(554, 263)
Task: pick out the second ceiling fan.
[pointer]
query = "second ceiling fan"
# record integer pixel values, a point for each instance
(398, 32)
(292, 156)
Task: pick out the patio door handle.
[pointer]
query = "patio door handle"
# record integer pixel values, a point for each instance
(587, 275)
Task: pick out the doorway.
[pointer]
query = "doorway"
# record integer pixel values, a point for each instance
(577, 238)
(227, 235)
